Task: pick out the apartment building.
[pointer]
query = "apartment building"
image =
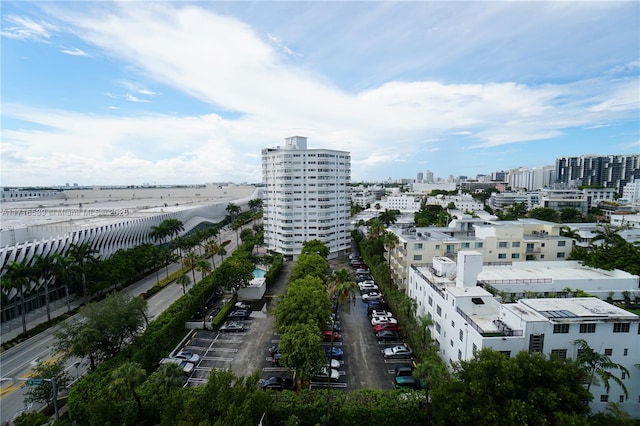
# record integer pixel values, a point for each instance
(612, 171)
(467, 318)
(500, 242)
(306, 197)
(631, 192)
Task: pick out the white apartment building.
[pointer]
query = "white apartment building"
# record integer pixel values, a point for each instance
(467, 318)
(558, 199)
(306, 197)
(503, 200)
(631, 192)
(625, 220)
(500, 242)
(530, 179)
(597, 195)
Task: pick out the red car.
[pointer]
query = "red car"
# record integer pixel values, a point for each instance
(326, 336)
(388, 326)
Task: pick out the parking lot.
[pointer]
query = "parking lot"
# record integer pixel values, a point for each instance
(362, 364)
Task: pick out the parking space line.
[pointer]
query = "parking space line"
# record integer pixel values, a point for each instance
(217, 358)
(324, 385)
(397, 361)
(277, 369)
(223, 350)
(229, 341)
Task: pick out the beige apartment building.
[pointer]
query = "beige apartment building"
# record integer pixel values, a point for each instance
(499, 242)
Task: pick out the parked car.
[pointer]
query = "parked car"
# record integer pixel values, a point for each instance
(242, 305)
(407, 382)
(388, 336)
(187, 367)
(381, 327)
(335, 353)
(323, 373)
(380, 313)
(232, 326)
(396, 352)
(363, 277)
(274, 350)
(375, 320)
(371, 296)
(277, 383)
(187, 356)
(239, 314)
(367, 287)
(404, 370)
(275, 359)
(326, 336)
(376, 305)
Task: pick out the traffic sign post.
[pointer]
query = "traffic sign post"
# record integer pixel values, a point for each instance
(32, 382)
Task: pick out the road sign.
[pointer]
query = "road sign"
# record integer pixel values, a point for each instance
(35, 381)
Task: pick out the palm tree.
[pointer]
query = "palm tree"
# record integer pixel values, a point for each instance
(389, 217)
(43, 272)
(236, 225)
(425, 321)
(184, 281)
(211, 248)
(82, 254)
(595, 364)
(376, 228)
(190, 260)
(203, 267)
(159, 233)
(174, 227)
(62, 267)
(233, 210)
(608, 235)
(18, 276)
(390, 240)
(124, 381)
(568, 232)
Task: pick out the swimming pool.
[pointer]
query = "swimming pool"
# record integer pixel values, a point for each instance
(259, 273)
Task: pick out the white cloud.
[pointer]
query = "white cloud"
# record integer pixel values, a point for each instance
(74, 52)
(113, 107)
(278, 42)
(132, 98)
(27, 29)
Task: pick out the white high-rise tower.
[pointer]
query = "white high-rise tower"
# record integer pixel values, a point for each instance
(306, 197)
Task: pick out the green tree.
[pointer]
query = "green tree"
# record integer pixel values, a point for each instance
(158, 233)
(235, 273)
(184, 281)
(203, 267)
(597, 366)
(570, 215)
(189, 261)
(432, 371)
(124, 381)
(389, 217)
(315, 246)
(18, 277)
(43, 272)
(47, 370)
(212, 249)
(255, 204)
(83, 255)
(301, 349)
(309, 264)
(232, 210)
(390, 241)
(544, 213)
(107, 326)
(62, 269)
(306, 301)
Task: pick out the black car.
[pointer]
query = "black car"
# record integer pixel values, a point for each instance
(404, 370)
(376, 305)
(388, 336)
(277, 383)
(363, 277)
(239, 314)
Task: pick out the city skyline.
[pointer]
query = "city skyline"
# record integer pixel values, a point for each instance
(180, 93)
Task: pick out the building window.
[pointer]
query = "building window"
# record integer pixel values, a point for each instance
(461, 335)
(453, 324)
(623, 376)
(625, 352)
(608, 352)
(451, 342)
(515, 255)
(438, 327)
(503, 244)
(560, 255)
(515, 244)
(560, 328)
(604, 398)
(561, 243)
(506, 353)
(430, 301)
(477, 245)
(621, 327)
(474, 348)
(438, 310)
(464, 245)
(621, 398)
(587, 328)
(417, 257)
(560, 353)
(417, 246)
(502, 255)
(460, 356)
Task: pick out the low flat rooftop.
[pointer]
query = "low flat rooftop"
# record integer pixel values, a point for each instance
(577, 308)
(539, 271)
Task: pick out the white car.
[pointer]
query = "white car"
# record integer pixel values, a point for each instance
(186, 366)
(187, 356)
(374, 295)
(378, 313)
(369, 286)
(375, 320)
(322, 374)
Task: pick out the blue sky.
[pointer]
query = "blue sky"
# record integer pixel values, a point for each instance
(190, 92)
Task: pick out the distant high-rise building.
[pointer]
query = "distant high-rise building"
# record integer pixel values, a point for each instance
(530, 179)
(306, 197)
(429, 176)
(611, 171)
(419, 177)
(499, 176)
